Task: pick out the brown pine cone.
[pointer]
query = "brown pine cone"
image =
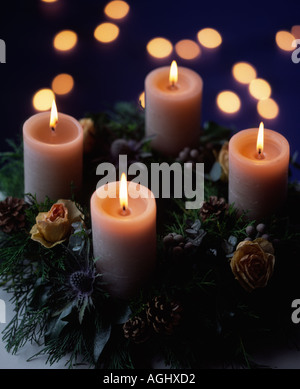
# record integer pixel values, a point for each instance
(137, 329)
(163, 315)
(12, 215)
(214, 207)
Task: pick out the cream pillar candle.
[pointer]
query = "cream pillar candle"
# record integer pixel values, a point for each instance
(258, 181)
(173, 109)
(124, 239)
(52, 159)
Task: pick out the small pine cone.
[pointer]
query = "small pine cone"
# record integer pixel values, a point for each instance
(176, 245)
(213, 207)
(12, 215)
(163, 315)
(137, 329)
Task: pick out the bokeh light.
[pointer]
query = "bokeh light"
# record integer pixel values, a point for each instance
(62, 84)
(159, 47)
(260, 89)
(187, 49)
(284, 40)
(209, 37)
(296, 32)
(42, 100)
(106, 32)
(268, 108)
(228, 102)
(243, 72)
(49, 1)
(142, 100)
(65, 40)
(116, 9)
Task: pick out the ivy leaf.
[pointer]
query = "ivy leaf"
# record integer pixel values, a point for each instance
(101, 339)
(215, 172)
(57, 325)
(124, 316)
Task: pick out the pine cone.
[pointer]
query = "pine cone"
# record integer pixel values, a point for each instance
(176, 245)
(213, 207)
(12, 216)
(137, 329)
(163, 315)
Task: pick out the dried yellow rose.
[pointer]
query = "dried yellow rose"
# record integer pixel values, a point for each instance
(253, 263)
(53, 227)
(223, 160)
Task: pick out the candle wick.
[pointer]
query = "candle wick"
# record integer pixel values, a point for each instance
(260, 154)
(124, 208)
(53, 128)
(172, 85)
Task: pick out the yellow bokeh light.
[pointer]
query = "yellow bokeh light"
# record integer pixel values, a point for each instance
(116, 9)
(62, 84)
(43, 99)
(159, 47)
(296, 32)
(142, 100)
(65, 40)
(260, 89)
(284, 40)
(209, 37)
(267, 108)
(106, 32)
(187, 49)
(243, 72)
(228, 101)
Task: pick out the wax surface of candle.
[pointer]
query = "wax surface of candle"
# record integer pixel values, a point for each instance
(52, 160)
(256, 185)
(124, 244)
(173, 114)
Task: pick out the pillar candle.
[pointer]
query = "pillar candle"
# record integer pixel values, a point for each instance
(124, 243)
(52, 159)
(258, 184)
(173, 111)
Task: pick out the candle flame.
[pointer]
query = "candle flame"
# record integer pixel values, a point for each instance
(53, 115)
(173, 76)
(260, 139)
(123, 192)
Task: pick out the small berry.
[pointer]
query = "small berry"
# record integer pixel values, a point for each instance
(250, 231)
(265, 236)
(261, 228)
(178, 238)
(194, 153)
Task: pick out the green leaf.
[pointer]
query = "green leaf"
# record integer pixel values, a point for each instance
(101, 339)
(57, 325)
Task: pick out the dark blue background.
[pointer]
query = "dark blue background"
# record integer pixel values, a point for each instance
(105, 74)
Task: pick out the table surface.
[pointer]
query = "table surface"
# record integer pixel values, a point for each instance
(279, 356)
